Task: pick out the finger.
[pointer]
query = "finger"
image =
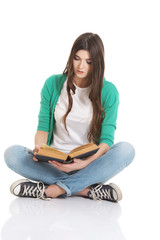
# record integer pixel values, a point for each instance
(35, 159)
(75, 160)
(56, 166)
(53, 163)
(35, 152)
(58, 163)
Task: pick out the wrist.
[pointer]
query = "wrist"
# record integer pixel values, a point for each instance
(90, 159)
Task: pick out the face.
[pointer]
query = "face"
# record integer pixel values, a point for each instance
(82, 64)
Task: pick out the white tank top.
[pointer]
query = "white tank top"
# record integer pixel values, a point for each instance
(78, 120)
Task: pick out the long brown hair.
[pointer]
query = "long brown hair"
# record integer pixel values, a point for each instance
(94, 45)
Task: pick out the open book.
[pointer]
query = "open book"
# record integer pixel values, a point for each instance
(47, 153)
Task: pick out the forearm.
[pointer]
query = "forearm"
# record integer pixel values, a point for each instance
(103, 148)
(41, 137)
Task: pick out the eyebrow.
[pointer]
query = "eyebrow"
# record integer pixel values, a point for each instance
(86, 58)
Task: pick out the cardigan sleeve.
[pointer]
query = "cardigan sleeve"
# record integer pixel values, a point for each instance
(110, 106)
(45, 111)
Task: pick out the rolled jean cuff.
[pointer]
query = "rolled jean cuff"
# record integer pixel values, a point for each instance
(68, 191)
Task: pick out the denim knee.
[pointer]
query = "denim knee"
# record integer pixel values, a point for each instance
(126, 151)
(11, 156)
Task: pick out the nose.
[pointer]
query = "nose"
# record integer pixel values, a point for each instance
(81, 64)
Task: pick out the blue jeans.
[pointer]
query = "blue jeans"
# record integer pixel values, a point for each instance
(120, 155)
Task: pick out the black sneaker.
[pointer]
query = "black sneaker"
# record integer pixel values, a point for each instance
(26, 188)
(110, 192)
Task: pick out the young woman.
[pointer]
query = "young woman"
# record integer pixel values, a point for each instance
(77, 107)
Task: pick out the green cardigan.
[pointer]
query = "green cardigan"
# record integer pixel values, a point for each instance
(49, 97)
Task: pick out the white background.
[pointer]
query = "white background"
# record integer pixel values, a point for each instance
(36, 38)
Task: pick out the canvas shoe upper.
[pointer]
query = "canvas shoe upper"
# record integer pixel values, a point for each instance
(110, 192)
(27, 188)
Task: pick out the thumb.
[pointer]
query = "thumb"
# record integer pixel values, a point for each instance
(37, 146)
(75, 160)
(36, 149)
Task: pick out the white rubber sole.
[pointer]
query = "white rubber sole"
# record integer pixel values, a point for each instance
(118, 191)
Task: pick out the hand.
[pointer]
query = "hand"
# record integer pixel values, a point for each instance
(35, 151)
(68, 167)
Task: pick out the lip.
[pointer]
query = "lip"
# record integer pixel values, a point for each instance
(79, 72)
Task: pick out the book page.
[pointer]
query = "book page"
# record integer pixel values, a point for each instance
(51, 152)
(83, 149)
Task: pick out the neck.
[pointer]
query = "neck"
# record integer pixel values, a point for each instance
(82, 83)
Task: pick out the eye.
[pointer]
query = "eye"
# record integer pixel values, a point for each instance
(76, 57)
(89, 62)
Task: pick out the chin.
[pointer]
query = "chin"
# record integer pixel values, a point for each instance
(81, 76)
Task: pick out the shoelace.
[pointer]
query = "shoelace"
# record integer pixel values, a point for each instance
(98, 193)
(36, 192)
